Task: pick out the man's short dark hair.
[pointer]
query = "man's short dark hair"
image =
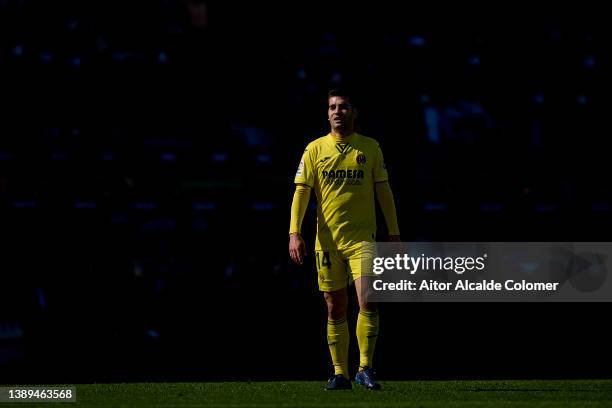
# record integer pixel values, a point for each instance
(345, 93)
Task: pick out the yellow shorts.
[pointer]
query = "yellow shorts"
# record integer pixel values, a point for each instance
(339, 268)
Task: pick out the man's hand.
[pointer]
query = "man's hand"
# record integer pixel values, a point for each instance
(297, 248)
(395, 243)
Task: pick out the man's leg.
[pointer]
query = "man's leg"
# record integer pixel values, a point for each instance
(367, 332)
(333, 281)
(367, 323)
(337, 330)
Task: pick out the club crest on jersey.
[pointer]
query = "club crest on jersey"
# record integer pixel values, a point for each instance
(361, 159)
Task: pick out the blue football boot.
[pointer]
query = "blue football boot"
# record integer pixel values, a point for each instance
(338, 382)
(366, 379)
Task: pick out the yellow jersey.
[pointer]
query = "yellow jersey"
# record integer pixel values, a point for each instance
(342, 175)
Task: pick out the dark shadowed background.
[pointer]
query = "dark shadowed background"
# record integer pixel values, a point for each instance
(147, 154)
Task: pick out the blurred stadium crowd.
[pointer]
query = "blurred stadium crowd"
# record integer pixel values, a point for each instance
(147, 154)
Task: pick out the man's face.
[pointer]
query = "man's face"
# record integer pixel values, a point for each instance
(340, 113)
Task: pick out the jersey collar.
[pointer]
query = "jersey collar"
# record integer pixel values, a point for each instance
(346, 140)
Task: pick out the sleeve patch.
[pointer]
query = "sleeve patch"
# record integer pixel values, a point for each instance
(300, 169)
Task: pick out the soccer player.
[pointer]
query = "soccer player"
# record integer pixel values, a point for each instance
(345, 170)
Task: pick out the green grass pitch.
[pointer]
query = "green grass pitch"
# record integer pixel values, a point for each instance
(527, 393)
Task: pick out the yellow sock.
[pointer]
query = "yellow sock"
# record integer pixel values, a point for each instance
(338, 342)
(367, 332)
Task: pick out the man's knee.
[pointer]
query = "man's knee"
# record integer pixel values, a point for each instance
(368, 306)
(336, 305)
(336, 311)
